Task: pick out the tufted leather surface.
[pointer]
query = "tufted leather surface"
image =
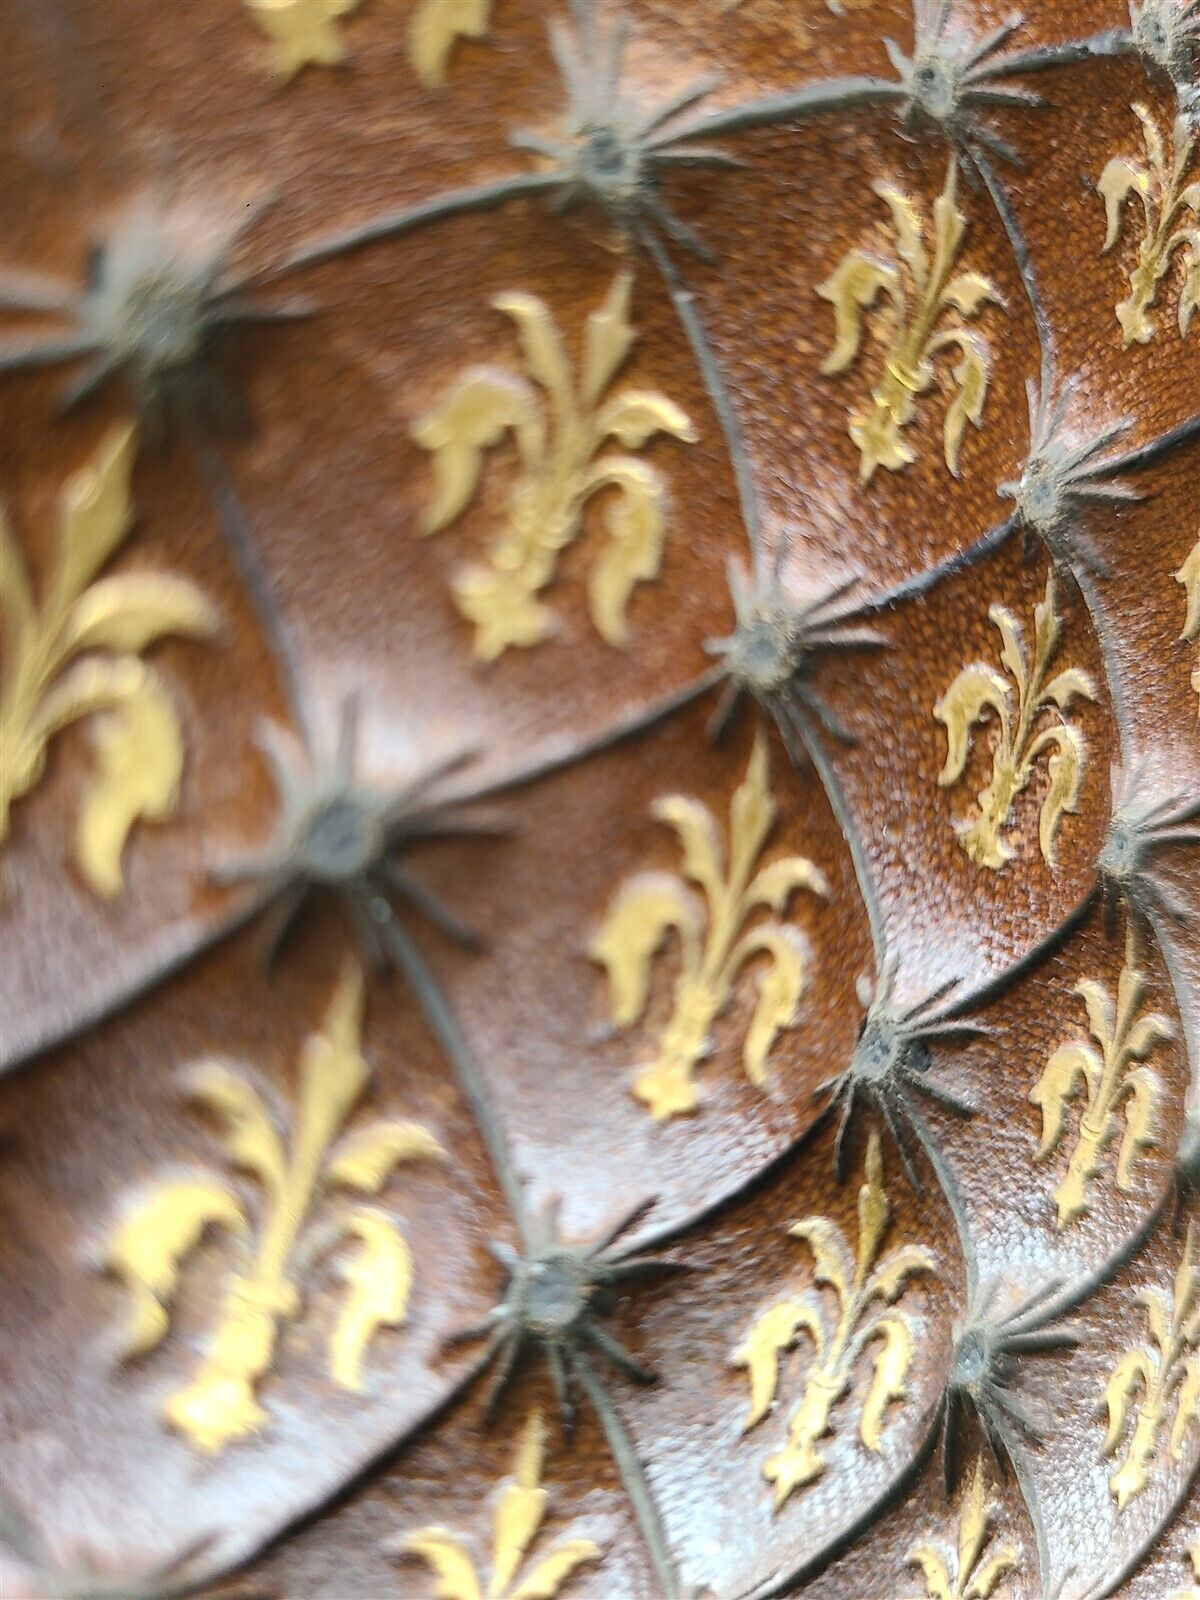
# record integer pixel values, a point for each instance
(511, 1052)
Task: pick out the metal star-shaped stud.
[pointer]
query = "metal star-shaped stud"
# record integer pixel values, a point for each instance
(984, 1372)
(771, 651)
(555, 1296)
(891, 1064)
(1062, 476)
(612, 152)
(340, 836)
(154, 303)
(1167, 34)
(1138, 829)
(950, 79)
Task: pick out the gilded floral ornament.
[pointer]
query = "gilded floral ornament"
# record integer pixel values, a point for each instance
(1168, 188)
(974, 1571)
(574, 442)
(436, 27)
(1155, 1379)
(302, 32)
(1189, 576)
(979, 690)
(79, 655)
(716, 941)
(926, 306)
(1116, 1086)
(161, 1229)
(859, 1283)
(520, 1511)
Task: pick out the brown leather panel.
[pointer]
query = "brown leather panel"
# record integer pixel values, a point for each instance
(598, 1114)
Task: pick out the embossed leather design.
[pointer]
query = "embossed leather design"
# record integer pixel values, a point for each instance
(601, 743)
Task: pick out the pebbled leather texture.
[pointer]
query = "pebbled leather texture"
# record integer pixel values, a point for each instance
(575, 1031)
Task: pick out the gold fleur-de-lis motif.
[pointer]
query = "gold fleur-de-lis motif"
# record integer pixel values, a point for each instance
(971, 1573)
(78, 655)
(151, 1242)
(918, 300)
(714, 946)
(1189, 576)
(860, 1283)
(302, 32)
(519, 1514)
(564, 447)
(1113, 1085)
(436, 27)
(1192, 1591)
(1163, 1373)
(981, 689)
(1168, 187)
